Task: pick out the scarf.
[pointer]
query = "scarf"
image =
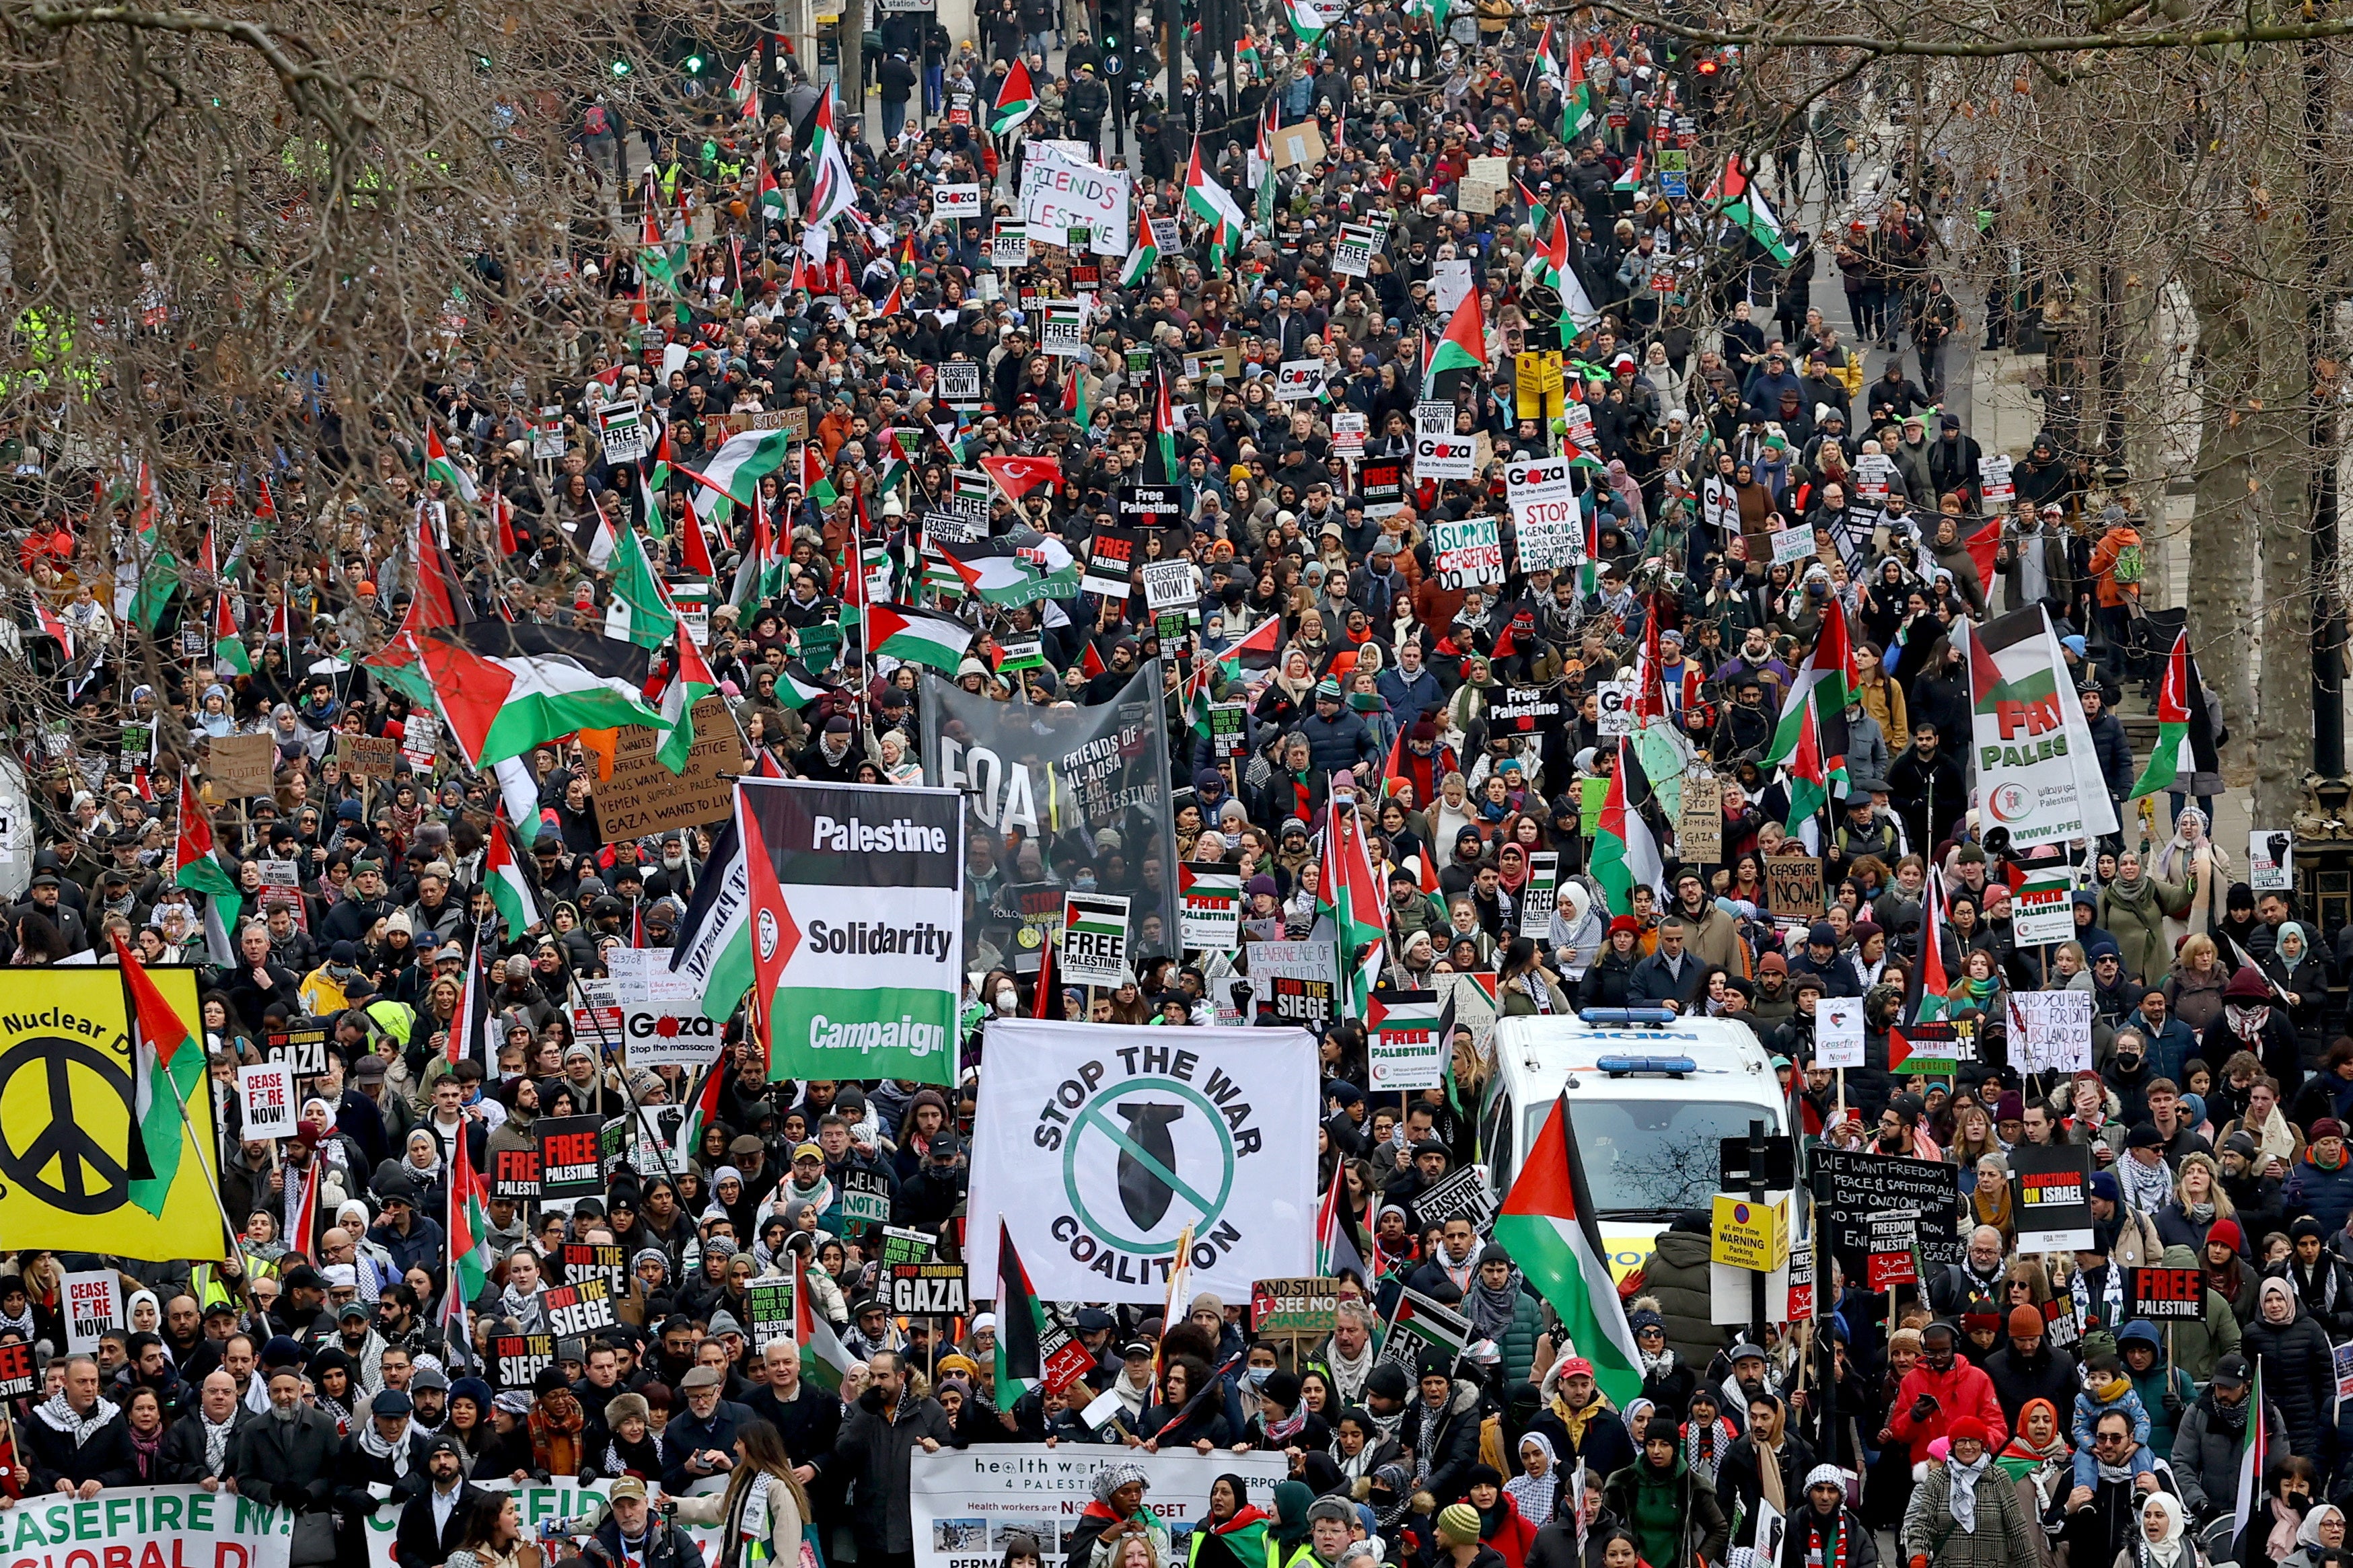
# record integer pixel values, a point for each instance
(2115, 1474)
(1658, 1366)
(1835, 1554)
(1491, 1307)
(21, 1325)
(59, 1416)
(2281, 1539)
(427, 1174)
(1995, 1214)
(217, 1436)
(2112, 1298)
(1768, 1472)
(1349, 1376)
(555, 1444)
(2148, 1188)
(144, 1451)
(1704, 1447)
(1290, 1427)
(1537, 992)
(524, 1306)
(377, 1446)
(1964, 1478)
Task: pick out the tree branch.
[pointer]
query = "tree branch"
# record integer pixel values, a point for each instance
(2245, 33)
(308, 86)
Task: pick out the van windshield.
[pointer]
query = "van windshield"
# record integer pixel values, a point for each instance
(1650, 1156)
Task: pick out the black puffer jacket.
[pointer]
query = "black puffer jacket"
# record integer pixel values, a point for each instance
(2297, 1374)
(1676, 1274)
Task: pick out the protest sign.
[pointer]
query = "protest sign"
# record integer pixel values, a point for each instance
(1793, 887)
(2050, 1031)
(1838, 1032)
(959, 383)
(1450, 285)
(185, 1526)
(421, 741)
(1520, 710)
(1094, 939)
(1351, 253)
(2271, 860)
(865, 1197)
(1866, 1185)
(1615, 701)
(965, 1506)
(621, 427)
(520, 1358)
(1382, 484)
(1112, 557)
(375, 757)
(1301, 1307)
(1009, 243)
(265, 1093)
(1438, 453)
(242, 765)
(930, 1290)
(1995, 483)
(1792, 544)
(1546, 521)
(1466, 553)
(2054, 1196)
(93, 1304)
(1699, 821)
(770, 1305)
(1299, 381)
(568, 1162)
(1539, 894)
(579, 1309)
(1062, 334)
(1209, 907)
(1462, 1191)
(1229, 730)
(514, 1173)
(1405, 1049)
(662, 1022)
(2042, 907)
(2038, 776)
(18, 1377)
(642, 797)
(2169, 1295)
(1172, 584)
(1296, 999)
(950, 203)
(1060, 192)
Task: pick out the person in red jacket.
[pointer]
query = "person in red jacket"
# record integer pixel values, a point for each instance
(1500, 1524)
(1940, 1389)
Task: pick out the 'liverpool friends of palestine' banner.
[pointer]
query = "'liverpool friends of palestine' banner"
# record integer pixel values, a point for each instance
(2037, 774)
(1101, 1144)
(65, 1094)
(857, 918)
(1059, 777)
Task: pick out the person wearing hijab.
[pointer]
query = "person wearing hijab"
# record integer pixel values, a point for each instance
(2164, 1539)
(1288, 1534)
(2323, 1531)
(1536, 1491)
(1234, 1532)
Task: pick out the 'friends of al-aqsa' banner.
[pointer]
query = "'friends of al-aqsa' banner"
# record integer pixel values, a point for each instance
(146, 1527)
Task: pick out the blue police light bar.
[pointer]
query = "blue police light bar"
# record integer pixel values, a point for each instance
(1672, 1065)
(1603, 1017)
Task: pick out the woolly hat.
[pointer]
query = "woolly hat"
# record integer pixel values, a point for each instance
(1458, 1523)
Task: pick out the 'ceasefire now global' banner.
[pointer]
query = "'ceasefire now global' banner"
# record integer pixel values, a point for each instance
(857, 926)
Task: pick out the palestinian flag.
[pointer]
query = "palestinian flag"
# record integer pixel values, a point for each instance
(1258, 651)
(51, 623)
(772, 195)
(702, 1106)
(824, 1362)
(1352, 894)
(797, 688)
(735, 470)
(1164, 428)
(1746, 205)
(1549, 66)
(1806, 774)
(919, 636)
(1439, 1327)
(1981, 546)
(1464, 346)
(691, 680)
(641, 609)
(1143, 256)
(505, 687)
(814, 484)
(2254, 1452)
(658, 259)
(1336, 1248)
(743, 91)
(1017, 475)
(833, 193)
(1209, 201)
(1548, 1226)
(159, 569)
(440, 598)
(1625, 855)
(519, 794)
(759, 576)
(594, 535)
(438, 466)
(1630, 178)
(471, 1256)
(1309, 20)
(1920, 1039)
(228, 644)
(2185, 733)
(1194, 696)
(168, 1063)
(714, 935)
(1020, 1323)
(1001, 573)
(509, 889)
(1824, 686)
(1580, 111)
(195, 866)
(1016, 101)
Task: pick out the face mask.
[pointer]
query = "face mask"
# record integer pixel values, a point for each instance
(1005, 1000)
(1259, 1375)
(1085, 882)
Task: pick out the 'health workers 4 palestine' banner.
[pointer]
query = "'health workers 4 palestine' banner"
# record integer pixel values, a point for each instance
(94, 1155)
(1058, 778)
(2038, 776)
(857, 926)
(1101, 1146)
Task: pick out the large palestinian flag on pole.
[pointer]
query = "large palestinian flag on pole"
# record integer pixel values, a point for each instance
(2185, 732)
(1548, 1226)
(504, 687)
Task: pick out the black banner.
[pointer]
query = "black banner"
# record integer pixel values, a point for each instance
(2167, 1294)
(2052, 1189)
(1060, 777)
(1148, 506)
(1112, 554)
(514, 1173)
(517, 1358)
(569, 1162)
(1863, 1185)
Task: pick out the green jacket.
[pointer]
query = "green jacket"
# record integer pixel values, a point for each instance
(2199, 1344)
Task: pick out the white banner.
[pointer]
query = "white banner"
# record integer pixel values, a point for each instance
(1546, 517)
(93, 1305)
(2037, 777)
(953, 202)
(1299, 381)
(180, 1525)
(1466, 553)
(1098, 1145)
(1060, 193)
(265, 1092)
(1438, 452)
(662, 1024)
(964, 1506)
(2050, 1031)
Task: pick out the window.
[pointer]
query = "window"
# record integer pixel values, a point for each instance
(1651, 1156)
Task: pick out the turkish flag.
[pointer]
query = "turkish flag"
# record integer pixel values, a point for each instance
(1017, 476)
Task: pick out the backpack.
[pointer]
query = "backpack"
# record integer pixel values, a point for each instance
(2129, 566)
(593, 122)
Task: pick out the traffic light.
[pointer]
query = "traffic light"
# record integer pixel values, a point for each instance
(620, 67)
(695, 64)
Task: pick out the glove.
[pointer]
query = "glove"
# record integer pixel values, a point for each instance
(1919, 1560)
(1924, 1407)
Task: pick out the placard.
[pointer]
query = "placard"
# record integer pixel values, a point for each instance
(1229, 730)
(519, 1359)
(2168, 1295)
(1065, 196)
(17, 1377)
(1148, 506)
(514, 1173)
(621, 428)
(950, 203)
(963, 1505)
(1209, 907)
(93, 1304)
(662, 1021)
(1520, 710)
(1466, 553)
(1351, 253)
(959, 383)
(1994, 482)
(2271, 860)
(1462, 1191)
(1864, 1185)
(1614, 703)
(1438, 452)
(644, 797)
(265, 1092)
(1173, 585)
(568, 1162)
(580, 1310)
(1450, 284)
(1094, 939)
(1838, 1032)
(1381, 483)
(303, 1050)
(1297, 1000)
(1062, 331)
(421, 741)
(1299, 381)
(930, 1291)
(1792, 544)
(1539, 894)
(865, 1197)
(2050, 1031)
(2052, 1186)
(2042, 908)
(1009, 245)
(1699, 821)
(1302, 1307)
(242, 765)
(769, 1303)
(1299, 144)
(368, 756)
(1546, 521)
(1405, 1048)
(1793, 887)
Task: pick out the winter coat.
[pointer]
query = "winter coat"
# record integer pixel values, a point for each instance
(1677, 1274)
(2000, 1540)
(2206, 1453)
(874, 1451)
(1740, 1479)
(2298, 1374)
(1452, 1444)
(2326, 1196)
(2198, 1342)
(2137, 923)
(2049, 1373)
(1651, 1505)
(50, 1453)
(1797, 1546)
(1963, 1390)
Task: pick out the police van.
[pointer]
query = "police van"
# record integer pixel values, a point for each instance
(1652, 1097)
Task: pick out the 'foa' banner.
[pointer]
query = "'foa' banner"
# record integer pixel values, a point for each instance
(67, 1164)
(857, 919)
(147, 1527)
(1101, 1145)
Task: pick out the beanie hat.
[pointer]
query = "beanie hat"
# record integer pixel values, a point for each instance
(2025, 1323)
(1967, 1427)
(2228, 1233)
(1458, 1522)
